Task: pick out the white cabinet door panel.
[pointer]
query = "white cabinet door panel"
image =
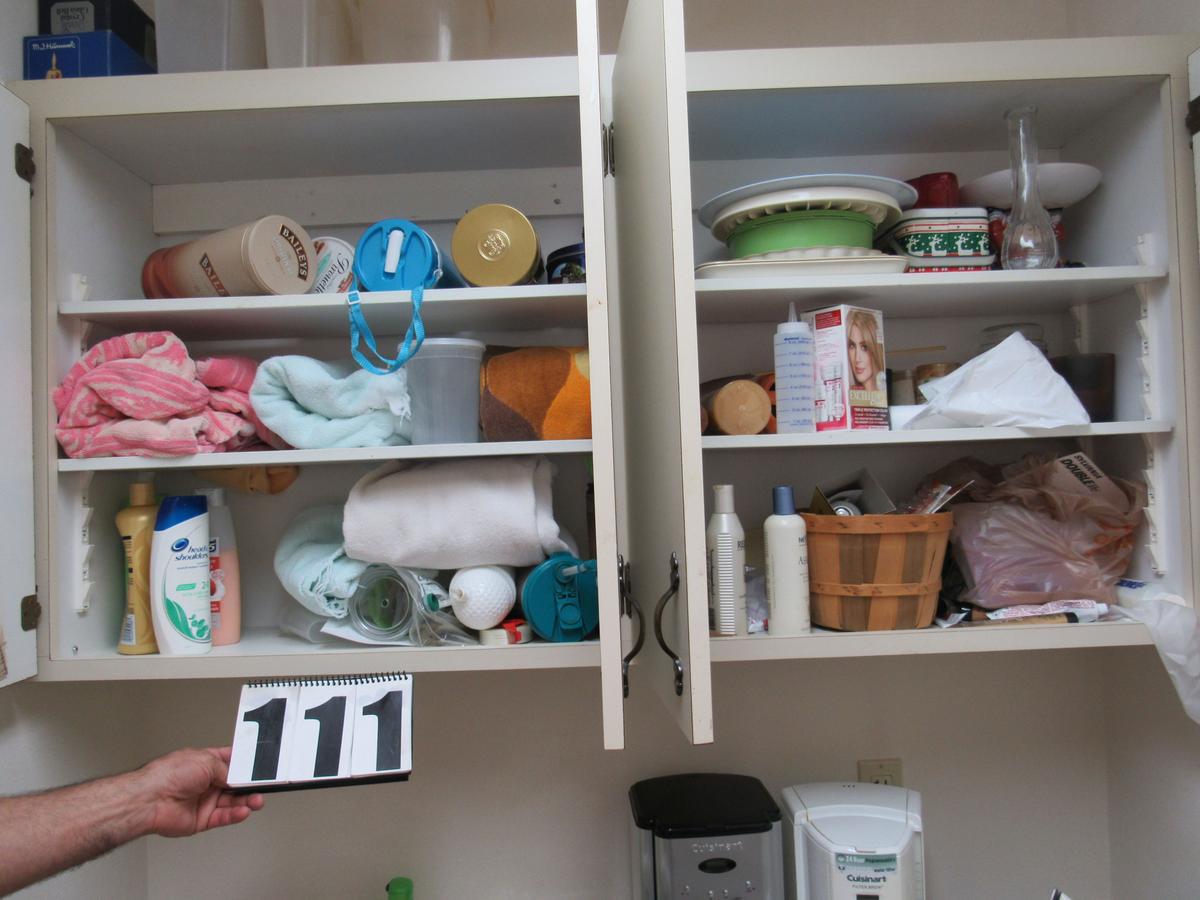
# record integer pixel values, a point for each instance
(16, 400)
(659, 356)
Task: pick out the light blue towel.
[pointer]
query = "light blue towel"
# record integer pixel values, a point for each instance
(315, 405)
(312, 564)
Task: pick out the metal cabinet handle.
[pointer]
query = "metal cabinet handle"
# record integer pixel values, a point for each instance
(629, 606)
(658, 632)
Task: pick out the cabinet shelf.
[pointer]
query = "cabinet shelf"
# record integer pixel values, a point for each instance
(318, 457)
(833, 644)
(918, 295)
(928, 436)
(520, 308)
(264, 652)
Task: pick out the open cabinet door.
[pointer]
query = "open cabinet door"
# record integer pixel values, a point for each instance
(1193, 120)
(600, 359)
(659, 360)
(19, 645)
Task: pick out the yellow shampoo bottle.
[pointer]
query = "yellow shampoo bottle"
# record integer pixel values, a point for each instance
(136, 525)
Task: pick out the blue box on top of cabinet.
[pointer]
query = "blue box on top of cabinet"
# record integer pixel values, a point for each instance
(81, 55)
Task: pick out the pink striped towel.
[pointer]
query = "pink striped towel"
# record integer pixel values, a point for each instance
(140, 394)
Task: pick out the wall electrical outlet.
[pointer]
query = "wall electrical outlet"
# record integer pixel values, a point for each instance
(881, 771)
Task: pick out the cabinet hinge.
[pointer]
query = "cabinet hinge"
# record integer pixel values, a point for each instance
(1193, 117)
(31, 611)
(23, 162)
(606, 149)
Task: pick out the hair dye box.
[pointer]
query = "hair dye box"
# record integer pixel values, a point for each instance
(851, 370)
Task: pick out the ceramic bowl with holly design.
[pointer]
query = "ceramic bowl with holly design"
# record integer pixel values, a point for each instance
(942, 239)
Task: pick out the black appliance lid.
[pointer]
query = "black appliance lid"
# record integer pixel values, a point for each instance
(700, 805)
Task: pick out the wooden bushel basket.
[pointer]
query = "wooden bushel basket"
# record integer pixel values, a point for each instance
(876, 573)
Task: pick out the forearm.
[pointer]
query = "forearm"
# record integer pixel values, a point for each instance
(41, 834)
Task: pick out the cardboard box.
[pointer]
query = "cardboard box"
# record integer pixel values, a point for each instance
(860, 488)
(122, 17)
(851, 368)
(80, 56)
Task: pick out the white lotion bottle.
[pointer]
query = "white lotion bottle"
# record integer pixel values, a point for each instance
(795, 376)
(179, 577)
(786, 541)
(726, 544)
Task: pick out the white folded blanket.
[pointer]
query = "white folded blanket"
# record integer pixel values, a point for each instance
(315, 405)
(452, 514)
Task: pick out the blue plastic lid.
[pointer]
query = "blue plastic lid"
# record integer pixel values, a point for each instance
(561, 605)
(785, 503)
(418, 265)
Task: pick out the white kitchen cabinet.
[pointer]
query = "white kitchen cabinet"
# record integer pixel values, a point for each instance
(707, 122)
(128, 165)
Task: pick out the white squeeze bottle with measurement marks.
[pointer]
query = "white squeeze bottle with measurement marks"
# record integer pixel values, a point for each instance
(726, 543)
(795, 377)
(224, 571)
(179, 577)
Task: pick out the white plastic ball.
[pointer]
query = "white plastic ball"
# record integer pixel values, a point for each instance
(482, 596)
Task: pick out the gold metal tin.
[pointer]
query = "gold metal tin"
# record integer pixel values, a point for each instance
(495, 245)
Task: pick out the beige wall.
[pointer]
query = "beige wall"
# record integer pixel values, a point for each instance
(513, 797)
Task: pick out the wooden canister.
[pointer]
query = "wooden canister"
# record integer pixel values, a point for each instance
(736, 405)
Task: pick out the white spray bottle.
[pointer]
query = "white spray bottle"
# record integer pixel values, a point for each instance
(726, 543)
(179, 577)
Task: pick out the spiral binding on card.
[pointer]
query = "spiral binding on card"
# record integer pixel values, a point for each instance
(330, 680)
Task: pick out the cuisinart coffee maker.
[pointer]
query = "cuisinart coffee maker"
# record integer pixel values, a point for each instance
(702, 836)
(847, 841)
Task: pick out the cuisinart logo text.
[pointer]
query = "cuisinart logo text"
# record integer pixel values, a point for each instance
(866, 879)
(709, 847)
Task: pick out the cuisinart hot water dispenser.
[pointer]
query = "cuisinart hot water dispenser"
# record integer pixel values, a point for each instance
(706, 836)
(853, 842)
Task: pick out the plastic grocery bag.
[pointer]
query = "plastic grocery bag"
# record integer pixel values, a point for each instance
(1011, 384)
(1175, 630)
(1052, 529)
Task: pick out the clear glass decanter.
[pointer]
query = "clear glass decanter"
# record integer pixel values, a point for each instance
(1029, 241)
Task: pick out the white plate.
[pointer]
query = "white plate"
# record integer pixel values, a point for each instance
(905, 195)
(1060, 185)
(846, 265)
(881, 207)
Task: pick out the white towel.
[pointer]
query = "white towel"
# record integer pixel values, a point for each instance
(452, 514)
(312, 564)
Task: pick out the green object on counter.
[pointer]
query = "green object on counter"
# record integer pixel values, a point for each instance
(801, 229)
(400, 889)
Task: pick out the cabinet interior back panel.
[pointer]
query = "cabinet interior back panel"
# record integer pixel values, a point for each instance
(237, 145)
(924, 118)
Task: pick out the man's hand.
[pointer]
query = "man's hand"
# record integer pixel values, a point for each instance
(176, 795)
(186, 793)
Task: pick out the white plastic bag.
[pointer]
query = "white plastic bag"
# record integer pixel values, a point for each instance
(1175, 630)
(1011, 384)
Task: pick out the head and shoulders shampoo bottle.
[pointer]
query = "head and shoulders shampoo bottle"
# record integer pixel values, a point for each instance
(179, 577)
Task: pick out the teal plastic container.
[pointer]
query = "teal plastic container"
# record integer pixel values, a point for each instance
(559, 599)
(802, 229)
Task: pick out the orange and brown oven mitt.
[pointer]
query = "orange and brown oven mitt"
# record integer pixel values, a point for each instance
(535, 393)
